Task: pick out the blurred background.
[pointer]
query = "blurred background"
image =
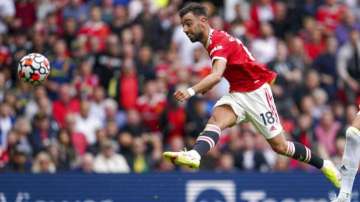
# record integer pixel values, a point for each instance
(108, 107)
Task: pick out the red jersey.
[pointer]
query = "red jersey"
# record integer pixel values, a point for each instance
(330, 16)
(242, 71)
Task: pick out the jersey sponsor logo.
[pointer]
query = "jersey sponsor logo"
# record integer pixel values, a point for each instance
(210, 191)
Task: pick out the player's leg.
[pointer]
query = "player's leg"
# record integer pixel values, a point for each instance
(222, 117)
(302, 153)
(262, 112)
(226, 113)
(295, 150)
(350, 161)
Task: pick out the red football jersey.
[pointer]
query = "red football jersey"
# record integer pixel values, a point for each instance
(242, 71)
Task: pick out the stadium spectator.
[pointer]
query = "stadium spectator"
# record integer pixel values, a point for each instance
(39, 103)
(22, 128)
(86, 164)
(326, 132)
(77, 10)
(112, 113)
(43, 132)
(120, 19)
(25, 13)
(264, 47)
(247, 157)
(297, 53)
(139, 161)
(78, 139)
(262, 11)
(95, 29)
(348, 23)
(62, 68)
(7, 8)
(65, 104)
(325, 64)
(108, 62)
(329, 14)
(151, 105)
(86, 82)
(348, 65)
(128, 85)
(226, 163)
(289, 78)
(304, 132)
(6, 123)
(87, 123)
(66, 152)
(281, 23)
(19, 161)
(150, 23)
(108, 161)
(43, 164)
(97, 105)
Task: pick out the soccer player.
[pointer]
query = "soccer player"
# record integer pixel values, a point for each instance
(350, 161)
(250, 97)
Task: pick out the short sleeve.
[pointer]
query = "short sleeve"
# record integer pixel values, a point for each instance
(220, 51)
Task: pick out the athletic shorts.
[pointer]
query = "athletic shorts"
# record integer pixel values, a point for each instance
(256, 106)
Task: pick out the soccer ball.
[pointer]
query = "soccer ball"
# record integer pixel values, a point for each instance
(33, 68)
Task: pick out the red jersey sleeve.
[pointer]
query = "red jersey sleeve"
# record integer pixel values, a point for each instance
(220, 51)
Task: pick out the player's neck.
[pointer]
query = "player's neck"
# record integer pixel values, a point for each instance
(205, 40)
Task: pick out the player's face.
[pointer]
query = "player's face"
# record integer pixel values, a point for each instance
(192, 26)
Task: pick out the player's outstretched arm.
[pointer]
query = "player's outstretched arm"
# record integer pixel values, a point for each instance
(205, 84)
(212, 79)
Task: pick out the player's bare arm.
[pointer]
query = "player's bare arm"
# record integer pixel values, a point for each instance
(205, 84)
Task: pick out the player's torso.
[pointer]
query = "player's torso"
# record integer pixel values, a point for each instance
(242, 71)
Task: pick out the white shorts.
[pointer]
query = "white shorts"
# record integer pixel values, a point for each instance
(256, 106)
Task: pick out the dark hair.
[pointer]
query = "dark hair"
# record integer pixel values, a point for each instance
(196, 8)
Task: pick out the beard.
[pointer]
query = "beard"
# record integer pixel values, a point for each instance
(195, 37)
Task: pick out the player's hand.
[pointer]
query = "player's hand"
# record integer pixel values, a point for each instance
(181, 95)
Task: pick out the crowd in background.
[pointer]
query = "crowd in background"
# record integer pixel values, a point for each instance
(108, 106)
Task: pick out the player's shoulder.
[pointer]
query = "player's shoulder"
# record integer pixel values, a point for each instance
(219, 34)
(219, 37)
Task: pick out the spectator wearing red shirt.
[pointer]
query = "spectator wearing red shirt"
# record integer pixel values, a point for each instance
(26, 13)
(95, 28)
(151, 105)
(78, 139)
(173, 120)
(315, 45)
(86, 81)
(5, 57)
(129, 88)
(65, 105)
(330, 14)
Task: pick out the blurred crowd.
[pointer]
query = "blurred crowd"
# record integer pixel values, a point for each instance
(108, 107)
